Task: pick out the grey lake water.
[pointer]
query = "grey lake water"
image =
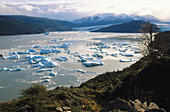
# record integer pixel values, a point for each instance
(70, 72)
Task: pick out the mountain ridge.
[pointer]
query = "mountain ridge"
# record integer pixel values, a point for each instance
(111, 18)
(19, 24)
(129, 27)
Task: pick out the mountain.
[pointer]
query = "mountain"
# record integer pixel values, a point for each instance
(130, 27)
(111, 18)
(14, 25)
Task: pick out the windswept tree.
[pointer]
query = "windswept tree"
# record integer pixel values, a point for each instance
(147, 38)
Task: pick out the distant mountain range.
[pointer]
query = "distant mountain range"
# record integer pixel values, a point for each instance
(111, 18)
(130, 27)
(14, 25)
(18, 24)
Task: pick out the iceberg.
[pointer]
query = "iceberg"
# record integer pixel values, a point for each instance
(115, 54)
(14, 56)
(56, 50)
(64, 45)
(62, 58)
(48, 63)
(126, 54)
(26, 52)
(37, 46)
(53, 73)
(97, 62)
(97, 55)
(47, 33)
(18, 69)
(125, 60)
(46, 50)
(81, 71)
(6, 69)
(32, 50)
(44, 70)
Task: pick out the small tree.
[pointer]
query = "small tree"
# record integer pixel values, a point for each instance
(146, 38)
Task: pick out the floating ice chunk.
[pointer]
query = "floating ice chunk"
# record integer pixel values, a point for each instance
(126, 54)
(123, 50)
(81, 71)
(53, 73)
(48, 62)
(56, 50)
(64, 45)
(47, 33)
(14, 56)
(32, 50)
(62, 58)
(34, 57)
(6, 69)
(26, 52)
(97, 55)
(137, 52)
(125, 60)
(37, 46)
(97, 62)
(115, 54)
(45, 50)
(18, 69)
(39, 64)
(44, 70)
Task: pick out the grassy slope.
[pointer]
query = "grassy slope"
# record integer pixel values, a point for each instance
(130, 27)
(14, 25)
(145, 80)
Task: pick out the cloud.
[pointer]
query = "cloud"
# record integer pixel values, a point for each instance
(73, 9)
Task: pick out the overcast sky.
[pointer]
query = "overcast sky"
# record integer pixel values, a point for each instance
(73, 9)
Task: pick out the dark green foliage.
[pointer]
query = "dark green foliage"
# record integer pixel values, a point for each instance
(15, 25)
(131, 27)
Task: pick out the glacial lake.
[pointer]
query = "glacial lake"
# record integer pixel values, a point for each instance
(109, 47)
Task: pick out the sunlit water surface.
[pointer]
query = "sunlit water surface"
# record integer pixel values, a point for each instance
(80, 43)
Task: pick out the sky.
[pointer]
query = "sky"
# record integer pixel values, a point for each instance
(74, 9)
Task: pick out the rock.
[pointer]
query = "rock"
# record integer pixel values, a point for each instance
(66, 108)
(118, 104)
(132, 106)
(59, 109)
(1, 56)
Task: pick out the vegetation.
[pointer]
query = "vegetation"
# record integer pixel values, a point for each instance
(146, 80)
(130, 27)
(15, 25)
(146, 38)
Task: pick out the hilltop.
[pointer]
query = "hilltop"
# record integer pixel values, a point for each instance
(133, 89)
(15, 25)
(129, 27)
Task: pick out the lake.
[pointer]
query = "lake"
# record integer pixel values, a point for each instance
(67, 50)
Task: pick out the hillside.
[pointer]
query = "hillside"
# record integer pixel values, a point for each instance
(14, 25)
(130, 27)
(142, 83)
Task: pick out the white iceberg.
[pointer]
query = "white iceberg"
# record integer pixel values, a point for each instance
(44, 70)
(81, 71)
(6, 69)
(45, 50)
(97, 62)
(53, 73)
(64, 45)
(26, 52)
(125, 60)
(32, 50)
(14, 56)
(62, 58)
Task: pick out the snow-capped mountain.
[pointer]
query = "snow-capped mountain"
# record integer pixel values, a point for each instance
(111, 18)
